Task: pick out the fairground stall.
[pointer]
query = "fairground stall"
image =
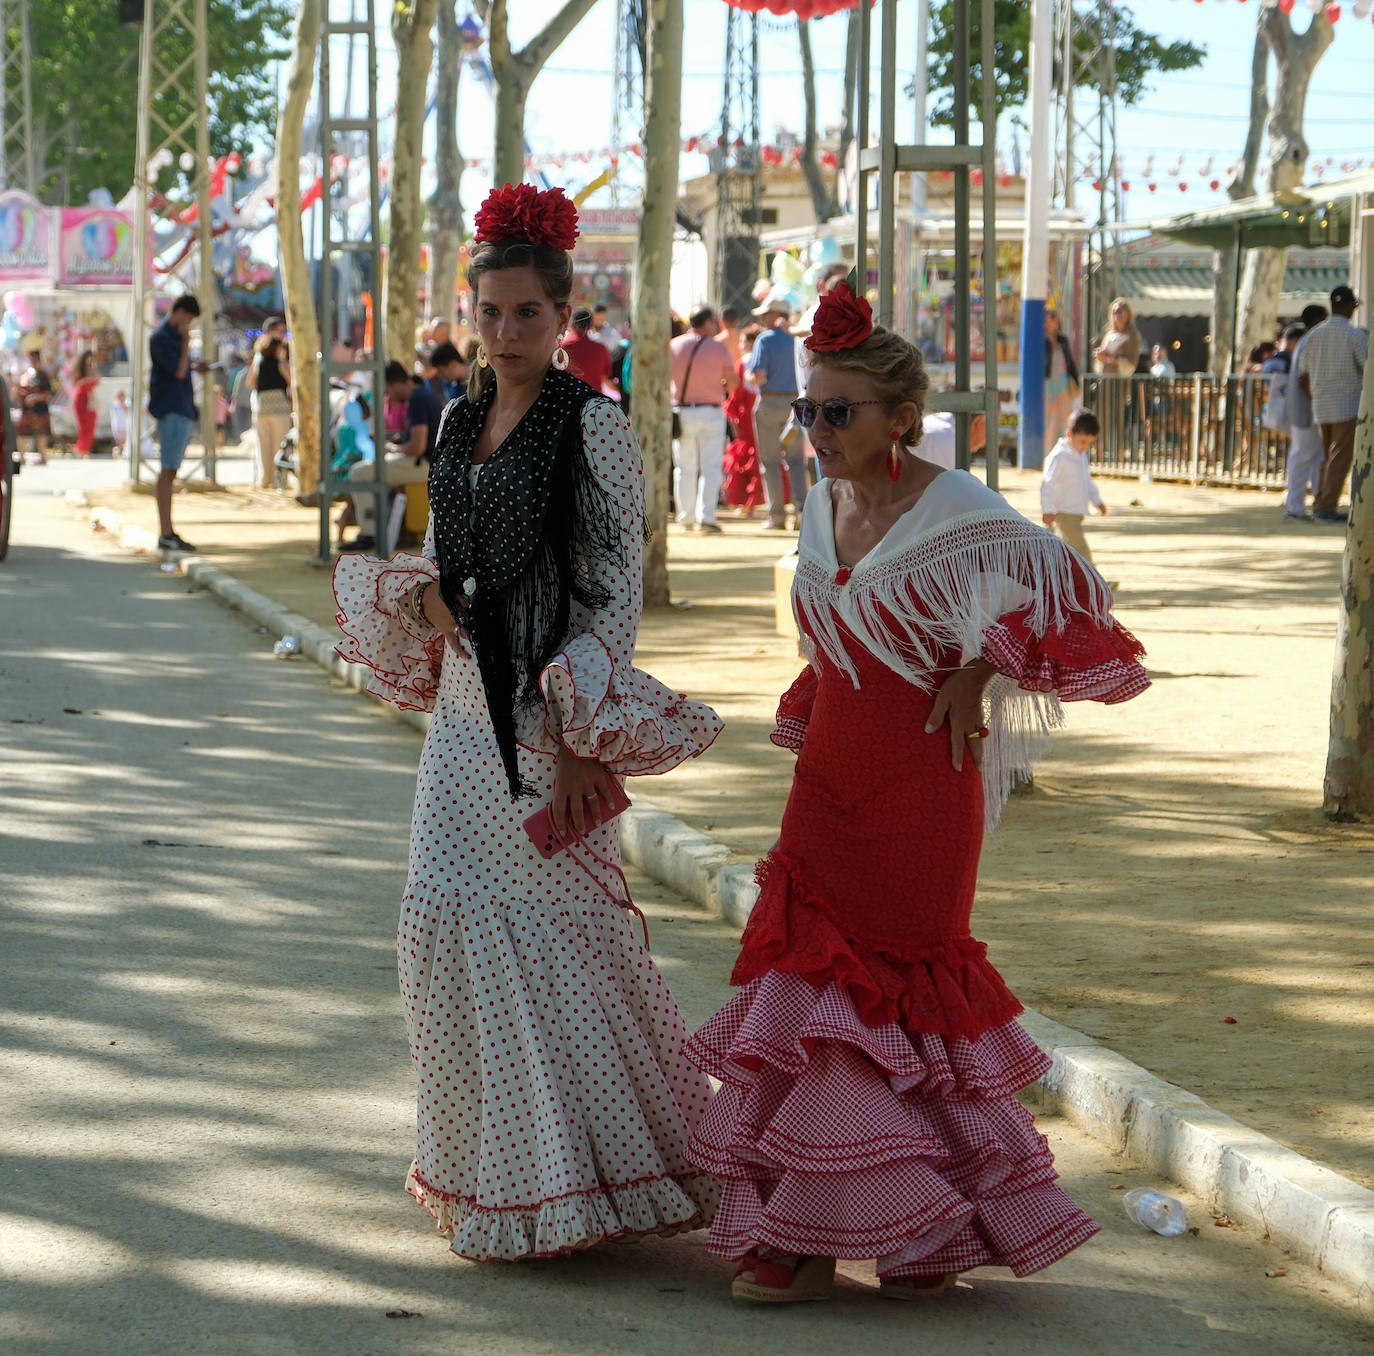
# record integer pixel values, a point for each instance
(66, 277)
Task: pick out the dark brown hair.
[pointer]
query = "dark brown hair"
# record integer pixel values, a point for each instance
(1084, 421)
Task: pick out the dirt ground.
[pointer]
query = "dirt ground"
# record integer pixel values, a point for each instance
(1170, 869)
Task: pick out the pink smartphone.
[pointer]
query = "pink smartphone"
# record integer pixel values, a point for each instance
(539, 825)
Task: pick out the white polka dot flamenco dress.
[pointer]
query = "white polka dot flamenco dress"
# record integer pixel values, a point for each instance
(554, 1103)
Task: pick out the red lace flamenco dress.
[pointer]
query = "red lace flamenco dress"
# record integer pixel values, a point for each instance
(743, 485)
(870, 1062)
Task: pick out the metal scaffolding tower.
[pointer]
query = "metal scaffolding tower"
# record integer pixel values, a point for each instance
(1085, 139)
(736, 165)
(627, 98)
(18, 155)
(879, 165)
(348, 135)
(173, 134)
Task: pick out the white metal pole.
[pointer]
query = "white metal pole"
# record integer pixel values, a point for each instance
(136, 342)
(1035, 255)
(920, 85)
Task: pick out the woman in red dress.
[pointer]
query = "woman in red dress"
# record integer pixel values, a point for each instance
(83, 403)
(869, 1064)
(743, 486)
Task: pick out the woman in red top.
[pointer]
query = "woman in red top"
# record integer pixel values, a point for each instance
(870, 1062)
(83, 403)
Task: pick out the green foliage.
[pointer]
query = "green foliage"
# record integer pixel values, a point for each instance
(84, 69)
(1139, 55)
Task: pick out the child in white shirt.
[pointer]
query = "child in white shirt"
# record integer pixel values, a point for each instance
(1067, 488)
(119, 423)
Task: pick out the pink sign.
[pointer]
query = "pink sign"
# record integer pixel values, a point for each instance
(25, 239)
(95, 248)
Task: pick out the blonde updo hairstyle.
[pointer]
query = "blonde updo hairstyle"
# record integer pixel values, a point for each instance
(892, 365)
(553, 266)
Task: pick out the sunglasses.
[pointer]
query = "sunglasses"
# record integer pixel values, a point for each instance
(837, 413)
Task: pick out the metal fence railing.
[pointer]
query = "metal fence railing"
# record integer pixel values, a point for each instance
(1197, 428)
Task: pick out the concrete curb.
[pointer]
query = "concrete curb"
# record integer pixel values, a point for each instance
(1315, 1214)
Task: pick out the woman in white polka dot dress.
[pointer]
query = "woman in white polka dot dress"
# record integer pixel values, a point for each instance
(554, 1105)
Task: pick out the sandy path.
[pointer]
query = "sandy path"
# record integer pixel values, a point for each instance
(1169, 869)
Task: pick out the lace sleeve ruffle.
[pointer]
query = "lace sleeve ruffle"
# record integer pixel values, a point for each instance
(378, 630)
(1083, 661)
(620, 715)
(794, 712)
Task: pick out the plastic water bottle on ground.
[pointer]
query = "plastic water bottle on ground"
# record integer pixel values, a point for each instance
(1152, 1209)
(286, 647)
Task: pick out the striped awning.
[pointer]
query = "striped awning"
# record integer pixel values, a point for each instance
(1173, 288)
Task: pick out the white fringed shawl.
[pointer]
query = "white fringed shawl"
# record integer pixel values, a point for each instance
(947, 570)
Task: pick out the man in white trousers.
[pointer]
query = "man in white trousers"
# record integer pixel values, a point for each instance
(1305, 451)
(703, 377)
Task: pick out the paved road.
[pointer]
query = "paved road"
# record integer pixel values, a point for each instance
(63, 473)
(207, 1100)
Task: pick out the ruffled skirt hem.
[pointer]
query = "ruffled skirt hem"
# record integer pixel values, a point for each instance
(949, 987)
(832, 1138)
(571, 1223)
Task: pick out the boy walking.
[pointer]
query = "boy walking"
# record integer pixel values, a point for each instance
(1067, 487)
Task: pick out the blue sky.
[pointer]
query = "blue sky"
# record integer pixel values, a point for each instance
(1201, 115)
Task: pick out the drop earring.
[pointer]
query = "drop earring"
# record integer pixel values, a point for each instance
(482, 358)
(560, 356)
(894, 457)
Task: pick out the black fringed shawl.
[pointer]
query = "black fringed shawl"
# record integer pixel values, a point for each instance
(531, 538)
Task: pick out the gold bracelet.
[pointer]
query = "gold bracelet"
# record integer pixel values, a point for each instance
(417, 603)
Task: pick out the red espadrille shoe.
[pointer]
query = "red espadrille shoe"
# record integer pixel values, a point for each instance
(778, 1281)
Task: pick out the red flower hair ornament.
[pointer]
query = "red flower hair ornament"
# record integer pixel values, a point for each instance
(842, 321)
(522, 212)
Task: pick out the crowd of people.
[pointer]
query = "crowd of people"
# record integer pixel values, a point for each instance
(863, 1102)
(1315, 377)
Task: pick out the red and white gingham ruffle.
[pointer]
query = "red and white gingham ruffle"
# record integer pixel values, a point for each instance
(834, 1139)
(1085, 661)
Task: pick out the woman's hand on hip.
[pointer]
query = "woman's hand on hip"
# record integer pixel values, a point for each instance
(960, 703)
(581, 795)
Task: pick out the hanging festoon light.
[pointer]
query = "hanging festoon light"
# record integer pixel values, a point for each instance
(1360, 9)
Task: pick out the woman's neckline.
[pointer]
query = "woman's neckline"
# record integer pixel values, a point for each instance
(510, 433)
(906, 513)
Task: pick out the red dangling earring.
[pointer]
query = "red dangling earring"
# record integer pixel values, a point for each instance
(894, 457)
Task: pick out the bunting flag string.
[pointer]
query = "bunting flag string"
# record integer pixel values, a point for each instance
(1361, 9)
(349, 180)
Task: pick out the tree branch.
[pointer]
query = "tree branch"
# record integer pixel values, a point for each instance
(823, 204)
(1242, 184)
(498, 37)
(531, 58)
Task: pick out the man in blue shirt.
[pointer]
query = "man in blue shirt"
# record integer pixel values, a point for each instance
(407, 459)
(172, 402)
(772, 370)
